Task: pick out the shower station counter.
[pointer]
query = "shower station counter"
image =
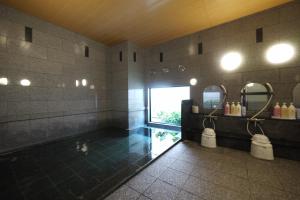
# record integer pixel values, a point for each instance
(231, 131)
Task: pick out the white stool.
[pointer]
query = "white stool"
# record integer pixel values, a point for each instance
(208, 138)
(261, 147)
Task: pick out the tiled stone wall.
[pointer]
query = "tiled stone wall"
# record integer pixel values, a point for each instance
(52, 106)
(136, 102)
(127, 86)
(119, 74)
(280, 24)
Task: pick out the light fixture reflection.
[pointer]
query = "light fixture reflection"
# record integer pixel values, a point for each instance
(250, 84)
(92, 87)
(280, 53)
(25, 82)
(231, 61)
(3, 81)
(193, 81)
(83, 82)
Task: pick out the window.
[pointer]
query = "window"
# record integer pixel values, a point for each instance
(165, 104)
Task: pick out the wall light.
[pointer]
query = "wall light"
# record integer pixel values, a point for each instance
(280, 53)
(3, 81)
(25, 82)
(83, 82)
(231, 61)
(193, 81)
(77, 83)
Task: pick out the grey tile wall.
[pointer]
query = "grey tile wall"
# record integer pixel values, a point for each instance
(279, 24)
(127, 86)
(52, 106)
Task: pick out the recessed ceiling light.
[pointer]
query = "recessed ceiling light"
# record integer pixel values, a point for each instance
(231, 61)
(193, 81)
(280, 53)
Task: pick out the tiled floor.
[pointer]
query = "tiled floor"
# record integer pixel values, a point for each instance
(85, 167)
(191, 172)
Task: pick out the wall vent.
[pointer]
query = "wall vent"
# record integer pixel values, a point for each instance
(161, 57)
(120, 56)
(134, 56)
(86, 51)
(28, 34)
(200, 48)
(259, 35)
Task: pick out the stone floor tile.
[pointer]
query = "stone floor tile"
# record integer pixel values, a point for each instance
(124, 193)
(174, 177)
(141, 182)
(222, 193)
(184, 195)
(182, 166)
(160, 190)
(198, 187)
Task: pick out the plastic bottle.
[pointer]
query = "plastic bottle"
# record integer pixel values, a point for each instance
(227, 109)
(238, 109)
(292, 111)
(277, 110)
(284, 111)
(244, 108)
(232, 109)
(195, 109)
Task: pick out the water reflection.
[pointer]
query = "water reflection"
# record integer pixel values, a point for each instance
(82, 147)
(162, 139)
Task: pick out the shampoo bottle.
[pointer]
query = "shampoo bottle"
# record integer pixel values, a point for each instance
(244, 109)
(232, 109)
(292, 111)
(238, 109)
(284, 111)
(227, 109)
(276, 110)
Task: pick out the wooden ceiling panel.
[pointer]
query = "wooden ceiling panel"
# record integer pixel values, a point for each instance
(146, 22)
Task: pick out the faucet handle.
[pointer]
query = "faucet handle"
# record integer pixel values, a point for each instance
(255, 119)
(211, 117)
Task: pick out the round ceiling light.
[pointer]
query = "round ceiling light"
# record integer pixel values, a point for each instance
(231, 61)
(193, 81)
(280, 53)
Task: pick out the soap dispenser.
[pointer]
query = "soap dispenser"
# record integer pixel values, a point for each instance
(276, 111)
(227, 109)
(232, 109)
(292, 111)
(284, 111)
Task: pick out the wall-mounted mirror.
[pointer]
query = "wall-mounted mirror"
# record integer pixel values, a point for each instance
(296, 95)
(212, 97)
(254, 96)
